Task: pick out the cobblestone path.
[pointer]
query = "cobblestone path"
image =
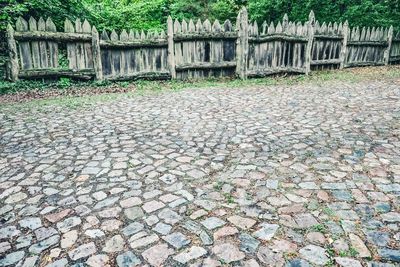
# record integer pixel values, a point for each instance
(297, 176)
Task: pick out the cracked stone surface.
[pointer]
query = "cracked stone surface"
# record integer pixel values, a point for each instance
(296, 175)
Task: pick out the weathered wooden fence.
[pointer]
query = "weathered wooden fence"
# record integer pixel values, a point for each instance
(194, 50)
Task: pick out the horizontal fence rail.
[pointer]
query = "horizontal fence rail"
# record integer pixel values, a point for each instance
(191, 49)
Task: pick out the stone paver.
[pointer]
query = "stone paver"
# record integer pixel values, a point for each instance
(295, 175)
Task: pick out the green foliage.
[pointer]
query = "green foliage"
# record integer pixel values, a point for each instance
(357, 12)
(152, 14)
(58, 10)
(64, 83)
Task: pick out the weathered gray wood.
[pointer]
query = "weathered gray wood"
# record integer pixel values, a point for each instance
(389, 45)
(71, 48)
(206, 65)
(13, 67)
(105, 56)
(80, 49)
(272, 71)
(84, 74)
(24, 47)
(326, 62)
(198, 50)
(278, 37)
(367, 43)
(87, 46)
(242, 44)
(131, 54)
(98, 69)
(34, 45)
(52, 46)
(160, 75)
(343, 52)
(42, 35)
(115, 57)
(310, 31)
(123, 37)
(133, 44)
(199, 36)
(44, 61)
(177, 46)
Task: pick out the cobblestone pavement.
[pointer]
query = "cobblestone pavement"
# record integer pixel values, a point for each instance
(290, 175)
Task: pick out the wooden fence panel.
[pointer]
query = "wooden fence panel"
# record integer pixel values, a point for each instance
(327, 46)
(275, 49)
(204, 50)
(195, 49)
(366, 47)
(134, 55)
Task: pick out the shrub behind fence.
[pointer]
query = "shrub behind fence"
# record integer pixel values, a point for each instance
(194, 50)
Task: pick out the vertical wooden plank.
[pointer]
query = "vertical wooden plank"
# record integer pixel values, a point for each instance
(87, 47)
(53, 46)
(257, 48)
(96, 55)
(164, 54)
(242, 44)
(285, 25)
(199, 46)
(44, 62)
(310, 31)
(125, 56)
(115, 57)
(185, 47)
(207, 53)
(154, 53)
(344, 51)
(171, 53)
(389, 47)
(192, 47)
(144, 54)
(105, 56)
(217, 43)
(177, 45)
(24, 47)
(80, 54)
(278, 46)
(138, 55)
(13, 68)
(34, 45)
(131, 58)
(273, 44)
(71, 48)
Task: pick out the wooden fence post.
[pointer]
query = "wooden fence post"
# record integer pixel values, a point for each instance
(13, 67)
(171, 53)
(343, 52)
(242, 47)
(389, 47)
(310, 30)
(98, 69)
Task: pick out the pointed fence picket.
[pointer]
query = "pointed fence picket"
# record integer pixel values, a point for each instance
(194, 49)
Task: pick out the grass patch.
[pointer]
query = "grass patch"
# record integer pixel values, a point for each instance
(64, 86)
